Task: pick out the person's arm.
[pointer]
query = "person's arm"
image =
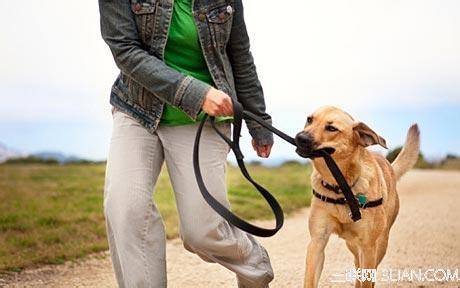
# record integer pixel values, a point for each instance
(248, 88)
(119, 31)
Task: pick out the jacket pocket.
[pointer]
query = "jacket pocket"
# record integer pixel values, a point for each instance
(220, 24)
(144, 13)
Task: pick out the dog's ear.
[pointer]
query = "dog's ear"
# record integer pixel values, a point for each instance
(367, 137)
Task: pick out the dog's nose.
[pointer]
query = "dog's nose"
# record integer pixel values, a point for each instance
(304, 140)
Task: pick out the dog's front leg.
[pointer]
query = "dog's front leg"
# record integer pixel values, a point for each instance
(321, 227)
(368, 260)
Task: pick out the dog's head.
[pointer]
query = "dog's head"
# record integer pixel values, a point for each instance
(330, 127)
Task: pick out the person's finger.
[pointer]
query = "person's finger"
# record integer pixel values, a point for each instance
(230, 108)
(261, 151)
(227, 108)
(265, 150)
(269, 150)
(256, 147)
(223, 110)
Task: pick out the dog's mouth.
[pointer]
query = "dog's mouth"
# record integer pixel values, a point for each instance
(307, 147)
(329, 150)
(309, 153)
(303, 153)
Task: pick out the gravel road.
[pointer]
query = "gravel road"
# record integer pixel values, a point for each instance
(426, 235)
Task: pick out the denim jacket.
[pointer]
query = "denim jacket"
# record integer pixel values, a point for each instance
(136, 32)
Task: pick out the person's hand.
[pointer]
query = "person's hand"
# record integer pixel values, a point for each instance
(262, 150)
(217, 103)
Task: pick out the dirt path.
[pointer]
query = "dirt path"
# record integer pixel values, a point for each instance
(426, 235)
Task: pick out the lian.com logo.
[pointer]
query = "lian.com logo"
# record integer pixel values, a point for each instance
(396, 275)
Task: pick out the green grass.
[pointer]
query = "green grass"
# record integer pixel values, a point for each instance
(52, 213)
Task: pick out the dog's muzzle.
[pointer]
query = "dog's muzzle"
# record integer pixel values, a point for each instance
(306, 145)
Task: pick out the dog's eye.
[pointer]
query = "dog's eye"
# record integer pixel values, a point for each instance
(309, 120)
(331, 128)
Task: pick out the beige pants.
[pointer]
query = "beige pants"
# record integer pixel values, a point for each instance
(134, 226)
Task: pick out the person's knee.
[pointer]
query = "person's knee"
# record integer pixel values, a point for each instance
(195, 240)
(199, 244)
(207, 241)
(126, 212)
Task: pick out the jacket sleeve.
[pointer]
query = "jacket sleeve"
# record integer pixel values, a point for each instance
(119, 31)
(248, 88)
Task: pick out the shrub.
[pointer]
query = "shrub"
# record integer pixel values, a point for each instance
(30, 160)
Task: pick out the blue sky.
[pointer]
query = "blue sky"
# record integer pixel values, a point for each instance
(437, 124)
(388, 63)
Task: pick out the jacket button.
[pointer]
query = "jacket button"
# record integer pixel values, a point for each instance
(137, 7)
(229, 9)
(201, 17)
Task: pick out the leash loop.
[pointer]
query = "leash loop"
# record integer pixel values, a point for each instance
(216, 205)
(238, 116)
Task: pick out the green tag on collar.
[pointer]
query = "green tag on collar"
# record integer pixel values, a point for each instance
(362, 199)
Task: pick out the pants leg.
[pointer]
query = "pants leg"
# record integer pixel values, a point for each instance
(203, 231)
(134, 226)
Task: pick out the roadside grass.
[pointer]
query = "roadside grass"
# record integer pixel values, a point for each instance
(450, 164)
(51, 213)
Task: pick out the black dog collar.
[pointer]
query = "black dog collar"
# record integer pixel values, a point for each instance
(342, 201)
(336, 188)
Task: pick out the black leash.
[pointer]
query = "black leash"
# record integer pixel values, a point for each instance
(238, 115)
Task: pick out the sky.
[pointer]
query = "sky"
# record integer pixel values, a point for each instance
(389, 63)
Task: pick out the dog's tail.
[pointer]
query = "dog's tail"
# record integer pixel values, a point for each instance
(409, 154)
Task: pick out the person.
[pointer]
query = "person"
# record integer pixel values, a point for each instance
(178, 60)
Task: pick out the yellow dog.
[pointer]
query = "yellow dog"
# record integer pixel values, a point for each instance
(372, 179)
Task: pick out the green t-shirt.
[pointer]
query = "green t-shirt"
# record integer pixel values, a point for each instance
(183, 53)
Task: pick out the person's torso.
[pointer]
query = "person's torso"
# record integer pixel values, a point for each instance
(213, 22)
(183, 53)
